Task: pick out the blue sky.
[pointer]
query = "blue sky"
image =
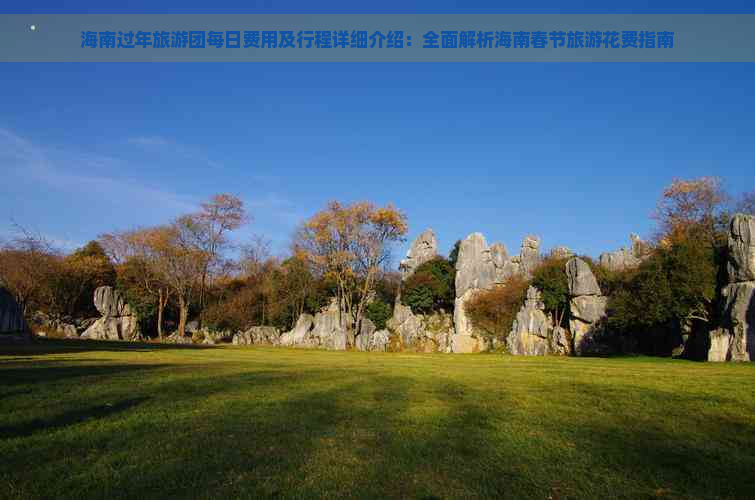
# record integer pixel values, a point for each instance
(575, 153)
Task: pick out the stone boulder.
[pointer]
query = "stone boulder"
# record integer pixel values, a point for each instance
(529, 255)
(258, 335)
(381, 340)
(364, 339)
(419, 332)
(300, 334)
(475, 270)
(424, 248)
(587, 308)
(118, 321)
(531, 332)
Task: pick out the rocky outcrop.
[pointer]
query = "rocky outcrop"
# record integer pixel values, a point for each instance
(624, 258)
(424, 248)
(561, 252)
(480, 267)
(327, 329)
(118, 321)
(257, 335)
(587, 307)
(13, 327)
(735, 340)
(531, 332)
(422, 333)
(475, 271)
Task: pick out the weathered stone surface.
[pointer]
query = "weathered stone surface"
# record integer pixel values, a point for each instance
(46, 326)
(587, 308)
(423, 249)
(418, 332)
(175, 338)
(111, 302)
(329, 328)
(736, 341)
(741, 264)
(531, 331)
(257, 335)
(529, 255)
(364, 339)
(581, 279)
(465, 344)
(11, 316)
(380, 341)
(624, 258)
(300, 334)
(475, 269)
(118, 322)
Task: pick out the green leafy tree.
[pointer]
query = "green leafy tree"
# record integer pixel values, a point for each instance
(550, 278)
(379, 313)
(431, 287)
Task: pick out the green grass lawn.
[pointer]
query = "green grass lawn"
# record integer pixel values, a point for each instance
(111, 420)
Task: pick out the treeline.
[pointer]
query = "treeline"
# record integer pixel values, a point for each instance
(189, 271)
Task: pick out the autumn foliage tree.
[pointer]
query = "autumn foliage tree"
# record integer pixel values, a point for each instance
(493, 311)
(349, 244)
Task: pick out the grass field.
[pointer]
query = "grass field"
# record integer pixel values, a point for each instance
(112, 420)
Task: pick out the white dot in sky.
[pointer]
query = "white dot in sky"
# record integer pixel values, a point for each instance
(33, 27)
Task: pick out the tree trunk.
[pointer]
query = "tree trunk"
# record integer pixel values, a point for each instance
(183, 315)
(161, 301)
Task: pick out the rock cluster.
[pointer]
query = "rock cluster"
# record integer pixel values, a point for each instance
(13, 327)
(327, 329)
(587, 307)
(479, 267)
(624, 258)
(372, 339)
(735, 341)
(424, 248)
(118, 321)
(532, 328)
(422, 333)
(265, 335)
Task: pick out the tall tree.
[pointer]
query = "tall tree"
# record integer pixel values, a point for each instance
(350, 244)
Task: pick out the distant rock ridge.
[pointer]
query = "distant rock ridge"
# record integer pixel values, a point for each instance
(624, 258)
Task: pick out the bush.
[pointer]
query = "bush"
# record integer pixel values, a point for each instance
(493, 311)
(431, 287)
(379, 313)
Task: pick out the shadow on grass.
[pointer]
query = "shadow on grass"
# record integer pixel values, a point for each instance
(335, 433)
(68, 418)
(59, 370)
(42, 346)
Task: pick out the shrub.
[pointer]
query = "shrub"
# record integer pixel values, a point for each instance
(431, 287)
(493, 311)
(379, 313)
(550, 278)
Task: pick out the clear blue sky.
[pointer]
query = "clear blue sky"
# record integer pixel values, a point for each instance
(575, 153)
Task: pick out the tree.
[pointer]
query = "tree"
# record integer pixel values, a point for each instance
(351, 244)
(688, 204)
(746, 204)
(220, 215)
(550, 278)
(26, 264)
(431, 287)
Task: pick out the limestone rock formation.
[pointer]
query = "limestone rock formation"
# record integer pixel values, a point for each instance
(480, 267)
(419, 332)
(118, 321)
(531, 332)
(423, 249)
(366, 332)
(257, 335)
(380, 341)
(327, 329)
(624, 258)
(587, 307)
(561, 252)
(13, 327)
(735, 341)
